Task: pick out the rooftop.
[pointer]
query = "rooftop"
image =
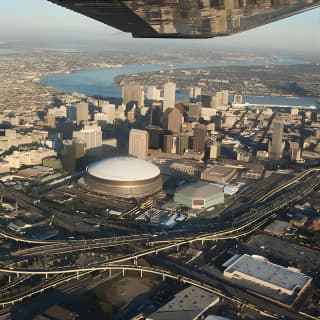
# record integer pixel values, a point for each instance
(123, 169)
(262, 269)
(187, 305)
(199, 189)
(219, 170)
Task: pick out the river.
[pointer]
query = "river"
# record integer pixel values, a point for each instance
(99, 82)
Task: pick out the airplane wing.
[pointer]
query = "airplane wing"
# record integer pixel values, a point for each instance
(186, 18)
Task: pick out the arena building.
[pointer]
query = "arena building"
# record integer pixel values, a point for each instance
(122, 177)
(199, 195)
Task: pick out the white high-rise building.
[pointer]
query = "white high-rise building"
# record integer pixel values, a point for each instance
(169, 96)
(195, 92)
(222, 98)
(91, 135)
(152, 93)
(110, 110)
(138, 143)
(100, 116)
(215, 150)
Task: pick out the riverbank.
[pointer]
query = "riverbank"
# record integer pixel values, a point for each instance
(237, 79)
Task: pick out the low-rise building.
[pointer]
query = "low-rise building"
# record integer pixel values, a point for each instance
(261, 271)
(219, 173)
(188, 304)
(29, 158)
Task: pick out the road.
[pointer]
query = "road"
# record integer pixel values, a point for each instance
(265, 208)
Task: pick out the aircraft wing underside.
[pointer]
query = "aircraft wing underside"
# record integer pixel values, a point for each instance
(186, 18)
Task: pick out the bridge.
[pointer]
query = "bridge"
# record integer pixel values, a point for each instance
(159, 243)
(291, 191)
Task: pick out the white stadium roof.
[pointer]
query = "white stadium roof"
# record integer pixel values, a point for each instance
(123, 169)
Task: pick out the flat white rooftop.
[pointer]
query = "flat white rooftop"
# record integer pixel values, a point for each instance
(188, 304)
(261, 271)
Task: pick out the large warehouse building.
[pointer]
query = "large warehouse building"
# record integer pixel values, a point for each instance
(123, 177)
(199, 195)
(261, 271)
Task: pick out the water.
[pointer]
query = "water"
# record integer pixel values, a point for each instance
(4, 51)
(285, 101)
(99, 82)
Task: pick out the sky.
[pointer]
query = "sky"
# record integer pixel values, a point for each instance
(41, 20)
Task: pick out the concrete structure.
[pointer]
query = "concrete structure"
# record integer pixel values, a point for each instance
(82, 112)
(156, 115)
(155, 137)
(221, 98)
(29, 158)
(261, 271)
(133, 93)
(295, 152)
(12, 138)
(187, 304)
(208, 114)
(188, 169)
(138, 143)
(199, 195)
(194, 111)
(199, 133)
(152, 93)
(195, 92)
(276, 146)
(78, 112)
(243, 155)
(173, 120)
(123, 177)
(219, 173)
(51, 120)
(100, 116)
(72, 150)
(90, 135)
(60, 112)
(182, 143)
(169, 96)
(215, 150)
(167, 143)
(109, 110)
(237, 99)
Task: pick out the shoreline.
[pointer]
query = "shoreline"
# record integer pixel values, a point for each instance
(102, 94)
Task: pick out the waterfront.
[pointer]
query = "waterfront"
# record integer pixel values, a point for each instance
(99, 82)
(285, 101)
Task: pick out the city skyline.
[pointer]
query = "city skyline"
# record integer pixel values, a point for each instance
(151, 179)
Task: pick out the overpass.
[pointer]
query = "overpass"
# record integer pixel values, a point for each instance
(262, 215)
(293, 190)
(268, 195)
(165, 274)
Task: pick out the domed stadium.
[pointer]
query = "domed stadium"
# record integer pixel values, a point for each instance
(122, 177)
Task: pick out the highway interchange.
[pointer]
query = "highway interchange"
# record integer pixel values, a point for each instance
(154, 246)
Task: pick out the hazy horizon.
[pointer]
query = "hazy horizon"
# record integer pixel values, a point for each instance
(42, 24)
